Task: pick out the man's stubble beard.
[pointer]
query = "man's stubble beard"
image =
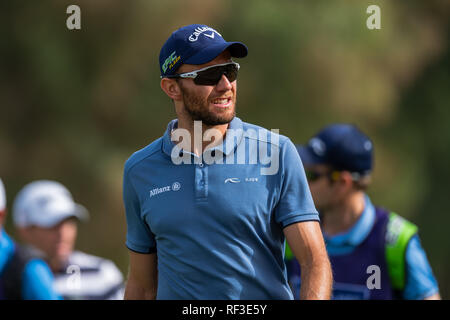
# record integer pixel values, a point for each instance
(198, 110)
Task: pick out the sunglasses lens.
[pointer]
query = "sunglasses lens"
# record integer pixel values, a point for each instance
(231, 72)
(213, 75)
(311, 176)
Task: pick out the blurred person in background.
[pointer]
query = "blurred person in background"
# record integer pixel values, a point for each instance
(46, 217)
(216, 231)
(22, 275)
(368, 246)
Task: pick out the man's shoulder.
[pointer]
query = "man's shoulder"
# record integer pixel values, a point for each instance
(399, 230)
(150, 150)
(395, 221)
(29, 259)
(261, 134)
(20, 262)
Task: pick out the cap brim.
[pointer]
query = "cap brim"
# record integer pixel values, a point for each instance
(79, 212)
(237, 50)
(308, 157)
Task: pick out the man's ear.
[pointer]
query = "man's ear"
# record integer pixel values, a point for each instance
(346, 179)
(171, 88)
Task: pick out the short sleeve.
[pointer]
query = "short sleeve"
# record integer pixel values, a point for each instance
(420, 281)
(37, 282)
(139, 236)
(295, 202)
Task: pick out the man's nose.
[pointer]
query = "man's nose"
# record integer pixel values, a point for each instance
(224, 84)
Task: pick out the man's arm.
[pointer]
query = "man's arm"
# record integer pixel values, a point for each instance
(37, 282)
(142, 281)
(420, 281)
(435, 296)
(306, 242)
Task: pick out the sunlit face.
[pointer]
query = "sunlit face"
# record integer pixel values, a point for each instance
(56, 242)
(213, 105)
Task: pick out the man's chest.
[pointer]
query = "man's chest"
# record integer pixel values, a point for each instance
(215, 196)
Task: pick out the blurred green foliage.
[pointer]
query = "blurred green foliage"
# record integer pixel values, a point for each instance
(76, 104)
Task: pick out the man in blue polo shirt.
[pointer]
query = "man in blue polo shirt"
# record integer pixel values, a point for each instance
(374, 253)
(210, 203)
(22, 276)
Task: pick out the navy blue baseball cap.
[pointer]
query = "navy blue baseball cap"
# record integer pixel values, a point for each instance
(195, 44)
(342, 146)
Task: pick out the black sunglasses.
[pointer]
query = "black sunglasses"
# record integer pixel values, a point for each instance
(314, 175)
(211, 75)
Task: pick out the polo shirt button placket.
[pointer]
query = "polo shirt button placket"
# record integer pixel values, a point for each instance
(201, 183)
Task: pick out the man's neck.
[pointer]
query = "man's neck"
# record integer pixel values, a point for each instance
(343, 216)
(56, 265)
(197, 131)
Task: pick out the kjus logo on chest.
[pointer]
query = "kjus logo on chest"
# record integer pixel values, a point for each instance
(174, 187)
(237, 180)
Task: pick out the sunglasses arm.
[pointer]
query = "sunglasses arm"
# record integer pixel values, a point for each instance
(193, 74)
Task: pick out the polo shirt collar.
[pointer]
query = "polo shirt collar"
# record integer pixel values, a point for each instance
(235, 124)
(167, 144)
(359, 231)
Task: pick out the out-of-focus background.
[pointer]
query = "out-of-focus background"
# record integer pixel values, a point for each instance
(76, 103)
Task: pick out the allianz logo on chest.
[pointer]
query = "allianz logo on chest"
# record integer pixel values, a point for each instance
(174, 187)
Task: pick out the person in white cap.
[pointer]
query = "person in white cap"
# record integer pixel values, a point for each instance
(22, 275)
(46, 216)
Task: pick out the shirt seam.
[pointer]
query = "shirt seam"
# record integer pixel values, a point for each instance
(266, 141)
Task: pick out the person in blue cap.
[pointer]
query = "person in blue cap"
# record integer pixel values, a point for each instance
(212, 224)
(374, 253)
(23, 276)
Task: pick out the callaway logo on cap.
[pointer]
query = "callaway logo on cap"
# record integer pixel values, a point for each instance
(198, 31)
(195, 44)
